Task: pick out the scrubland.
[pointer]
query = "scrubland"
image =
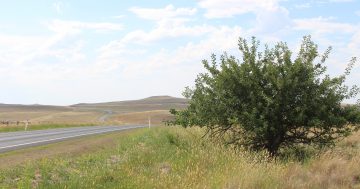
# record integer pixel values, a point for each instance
(174, 157)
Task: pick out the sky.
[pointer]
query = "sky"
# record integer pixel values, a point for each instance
(66, 52)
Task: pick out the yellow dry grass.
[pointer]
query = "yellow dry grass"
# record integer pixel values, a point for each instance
(87, 116)
(123, 112)
(174, 157)
(157, 117)
(47, 117)
(336, 168)
(21, 116)
(69, 117)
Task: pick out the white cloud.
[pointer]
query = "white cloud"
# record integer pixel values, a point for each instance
(272, 21)
(219, 39)
(74, 27)
(322, 25)
(270, 17)
(58, 6)
(229, 8)
(165, 31)
(119, 16)
(357, 12)
(312, 3)
(159, 14)
(303, 6)
(340, 1)
(170, 22)
(47, 59)
(354, 46)
(19, 50)
(222, 38)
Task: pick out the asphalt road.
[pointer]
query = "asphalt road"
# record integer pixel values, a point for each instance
(22, 139)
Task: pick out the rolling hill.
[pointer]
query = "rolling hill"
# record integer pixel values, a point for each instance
(119, 112)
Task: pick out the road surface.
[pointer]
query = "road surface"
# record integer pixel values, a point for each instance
(22, 139)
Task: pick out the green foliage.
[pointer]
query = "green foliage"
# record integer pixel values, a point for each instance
(269, 100)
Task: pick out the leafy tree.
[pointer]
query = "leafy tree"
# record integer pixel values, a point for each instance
(269, 100)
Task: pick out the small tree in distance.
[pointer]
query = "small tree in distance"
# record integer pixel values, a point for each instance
(270, 101)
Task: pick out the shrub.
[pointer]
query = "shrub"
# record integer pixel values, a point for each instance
(269, 100)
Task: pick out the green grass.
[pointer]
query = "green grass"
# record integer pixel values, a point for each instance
(40, 127)
(174, 157)
(155, 158)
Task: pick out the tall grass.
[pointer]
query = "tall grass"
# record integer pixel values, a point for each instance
(179, 158)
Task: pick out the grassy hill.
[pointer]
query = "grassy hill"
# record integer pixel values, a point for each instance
(33, 108)
(119, 112)
(146, 104)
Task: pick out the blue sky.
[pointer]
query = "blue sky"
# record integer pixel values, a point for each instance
(66, 52)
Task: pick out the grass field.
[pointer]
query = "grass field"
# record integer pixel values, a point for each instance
(40, 127)
(157, 117)
(174, 157)
(122, 112)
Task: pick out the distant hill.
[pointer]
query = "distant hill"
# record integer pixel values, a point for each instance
(146, 104)
(122, 112)
(149, 100)
(35, 107)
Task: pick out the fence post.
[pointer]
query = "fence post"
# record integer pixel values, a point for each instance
(26, 124)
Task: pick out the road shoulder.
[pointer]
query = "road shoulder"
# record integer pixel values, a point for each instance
(73, 147)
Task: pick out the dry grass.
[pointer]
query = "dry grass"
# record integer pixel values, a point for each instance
(122, 112)
(24, 115)
(83, 117)
(336, 168)
(178, 158)
(44, 115)
(157, 117)
(70, 117)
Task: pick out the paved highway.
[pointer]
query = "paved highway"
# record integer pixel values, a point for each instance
(22, 139)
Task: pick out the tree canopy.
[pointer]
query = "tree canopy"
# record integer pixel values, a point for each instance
(271, 100)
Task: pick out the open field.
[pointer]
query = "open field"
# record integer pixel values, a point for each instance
(174, 157)
(160, 157)
(122, 112)
(157, 117)
(40, 127)
(70, 117)
(38, 114)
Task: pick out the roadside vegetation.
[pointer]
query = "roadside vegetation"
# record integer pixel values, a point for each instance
(175, 157)
(13, 128)
(270, 100)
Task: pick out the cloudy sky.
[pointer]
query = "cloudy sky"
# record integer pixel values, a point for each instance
(65, 52)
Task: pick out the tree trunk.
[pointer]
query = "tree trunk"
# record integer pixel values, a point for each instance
(273, 145)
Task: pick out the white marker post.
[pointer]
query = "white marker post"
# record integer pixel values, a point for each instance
(149, 122)
(26, 124)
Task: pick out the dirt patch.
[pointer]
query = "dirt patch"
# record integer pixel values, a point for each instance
(72, 147)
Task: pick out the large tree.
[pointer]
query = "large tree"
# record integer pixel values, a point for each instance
(271, 100)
